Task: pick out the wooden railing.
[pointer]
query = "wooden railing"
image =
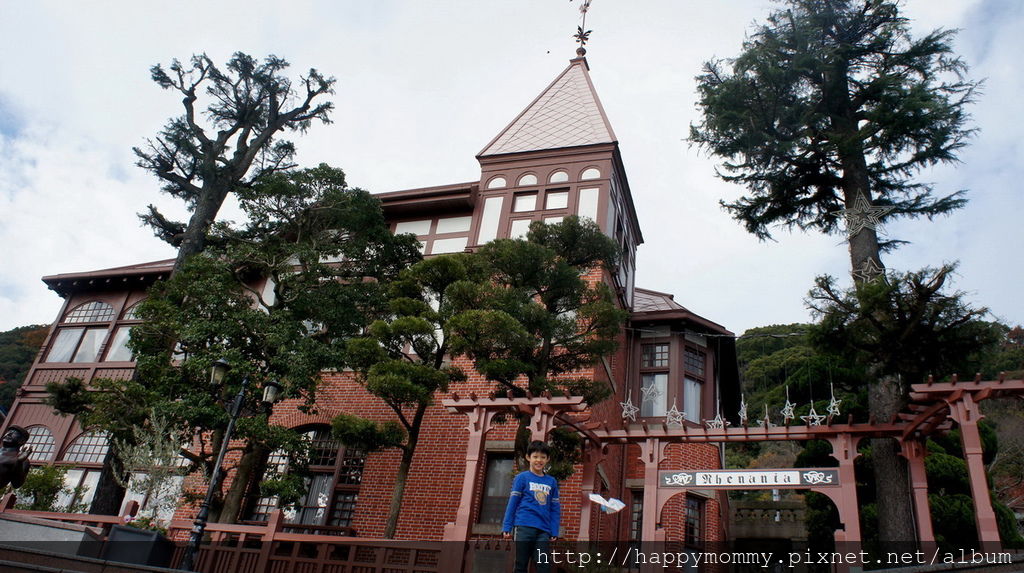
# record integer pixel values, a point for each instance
(103, 522)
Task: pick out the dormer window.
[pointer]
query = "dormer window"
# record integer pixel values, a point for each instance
(558, 177)
(528, 179)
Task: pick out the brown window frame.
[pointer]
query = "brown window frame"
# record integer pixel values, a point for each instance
(495, 505)
(696, 510)
(677, 371)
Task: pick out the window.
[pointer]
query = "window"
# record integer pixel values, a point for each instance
(94, 311)
(80, 484)
(89, 447)
(528, 179)
(558, 177)
(636, 515)
(497, 487)
(159, 502)
(694, 535)
(654, 371)
(590, 173)
(332, 486)
(671, 373)
(130, 313)
(119, 351)
(496, 183)
(556, 200)
(76, 345)
(519, 228)
(40, 439)
(525, 202)
(439, 235)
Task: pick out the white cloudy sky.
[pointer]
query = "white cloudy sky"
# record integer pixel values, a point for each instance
(422, 87)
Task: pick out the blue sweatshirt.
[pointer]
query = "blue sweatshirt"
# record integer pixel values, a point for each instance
(534, 503)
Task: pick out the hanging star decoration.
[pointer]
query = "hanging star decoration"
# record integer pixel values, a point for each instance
(628, 409)
(833, 404)
(650, 393)
(864, 215)
(718, 423)
(766, 422)
(674, 417)
(868, 271)
(743, 410)
(787, 409)
(812, 418)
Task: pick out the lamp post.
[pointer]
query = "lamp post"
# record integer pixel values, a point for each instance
(271, 391)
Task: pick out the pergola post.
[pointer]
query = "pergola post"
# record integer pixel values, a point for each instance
(480, 422)
(652, 452)
(591, 458)
(844, 450)
(964, 410)
(914, 451)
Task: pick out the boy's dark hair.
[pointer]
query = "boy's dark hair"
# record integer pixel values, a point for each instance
(539, 446)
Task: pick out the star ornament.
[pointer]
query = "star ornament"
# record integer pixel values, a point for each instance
(718, 423)
(868, 271)
(812, 418)
(864, 215)
(787, 409)
(628, 409)
(743, 410)
(833, 404)
(650, 393)
(674, 417)
(766, 422)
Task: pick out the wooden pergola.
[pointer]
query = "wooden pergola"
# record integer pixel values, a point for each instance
(933, 408)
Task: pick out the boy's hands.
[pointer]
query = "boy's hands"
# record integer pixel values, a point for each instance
(506, 534)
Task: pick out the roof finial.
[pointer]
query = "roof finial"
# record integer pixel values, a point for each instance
(582, 35)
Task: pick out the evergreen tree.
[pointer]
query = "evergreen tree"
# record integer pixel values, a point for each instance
(277, 298)
(208, 153)
(832, 105)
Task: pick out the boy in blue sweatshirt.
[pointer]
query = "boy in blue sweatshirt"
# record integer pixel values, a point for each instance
(533, 510)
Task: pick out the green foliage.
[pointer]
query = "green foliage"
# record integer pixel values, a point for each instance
(267, 299)
(18, 348)
(366, 434)
(226, 140)
(903, 324)
(42, 488)
(831, 96)
(537, 317)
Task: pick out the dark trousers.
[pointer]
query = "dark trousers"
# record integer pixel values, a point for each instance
(529, 542)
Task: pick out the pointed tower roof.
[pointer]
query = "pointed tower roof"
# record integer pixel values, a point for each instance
(567, 113)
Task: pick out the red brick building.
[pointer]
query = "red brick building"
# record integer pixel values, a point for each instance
(559, 157)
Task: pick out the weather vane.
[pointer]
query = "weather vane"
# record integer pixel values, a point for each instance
(582, 35)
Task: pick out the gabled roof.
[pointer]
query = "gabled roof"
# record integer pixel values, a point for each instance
(567, 113)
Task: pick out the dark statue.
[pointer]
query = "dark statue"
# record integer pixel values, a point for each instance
(14, 463)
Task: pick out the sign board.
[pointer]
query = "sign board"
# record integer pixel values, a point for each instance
(751, 479)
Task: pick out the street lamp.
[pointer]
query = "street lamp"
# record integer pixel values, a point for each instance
(271, 392)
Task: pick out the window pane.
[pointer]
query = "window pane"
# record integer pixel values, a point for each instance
(590, 173)
(90, 312)
(496, 183)
(454, 245)
(557, 200)
(64, 344)
(528, 179)
(90, 447)
(519, 228)
(553, 220)
(695, 360)
(490, 219)
(497, 487)
(691, 400)
(414, 227)
(558, 177)
(454, 224)
(119, 351)
(588, 204)
(694, 522)
(40, 439)
(89, 348)
(654, 355)
(525, 203)
(654, 395)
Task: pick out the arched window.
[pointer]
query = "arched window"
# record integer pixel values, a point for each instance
(94, 311)
(89, 447)
(558, 177)
(40, 439)
(590, 173)
(81, 343)
(130, 313)
(528, 179)
(497, 183)
(330, 466)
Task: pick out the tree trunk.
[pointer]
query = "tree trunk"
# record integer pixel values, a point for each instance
(403, 474)
(206, 209)
(241, 484)
(892, 488)
(109, 493)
